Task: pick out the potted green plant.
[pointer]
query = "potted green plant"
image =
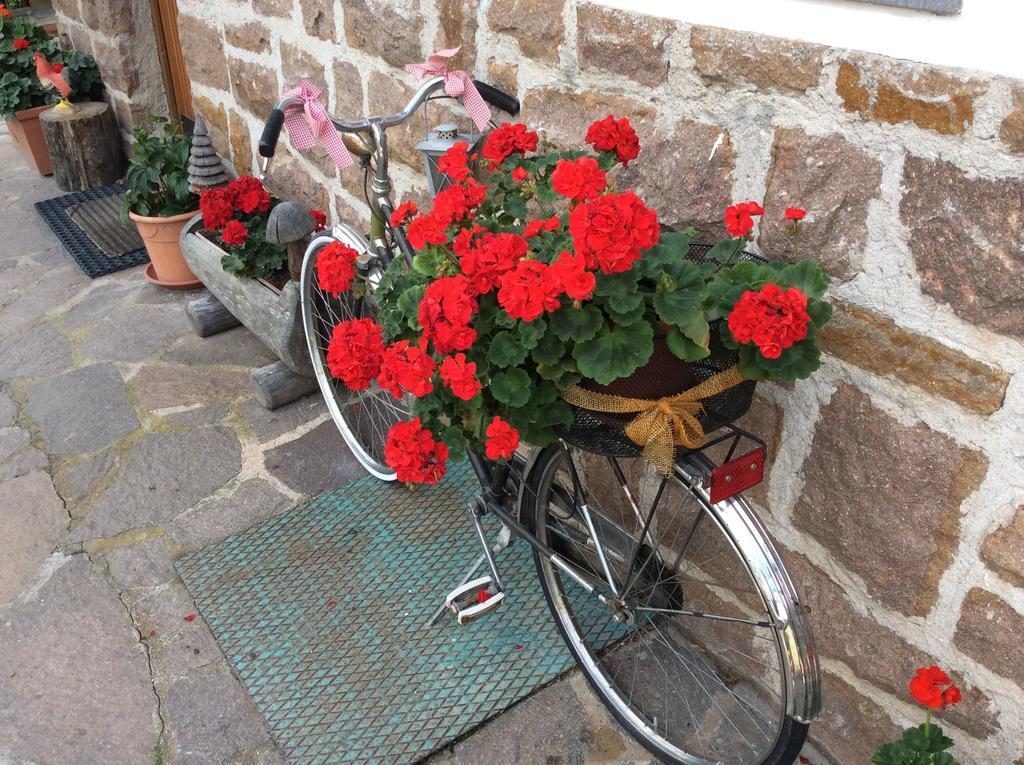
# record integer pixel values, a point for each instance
(158, 199)
(22, 97)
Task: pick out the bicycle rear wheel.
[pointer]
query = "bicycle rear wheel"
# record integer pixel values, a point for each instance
(363, 417)
(690, 658)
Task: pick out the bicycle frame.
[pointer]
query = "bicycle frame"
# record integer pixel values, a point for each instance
(500, 481)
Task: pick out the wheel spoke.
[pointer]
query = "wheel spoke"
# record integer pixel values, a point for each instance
(363, 417)
(685, 671)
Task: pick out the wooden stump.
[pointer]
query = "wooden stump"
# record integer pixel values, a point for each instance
(275, 385)
(85, 146)
(209, 316)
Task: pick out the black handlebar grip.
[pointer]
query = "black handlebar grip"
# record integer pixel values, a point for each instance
(497, 98)
(271, 132)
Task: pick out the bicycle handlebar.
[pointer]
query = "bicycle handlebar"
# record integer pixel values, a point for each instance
(275, 120)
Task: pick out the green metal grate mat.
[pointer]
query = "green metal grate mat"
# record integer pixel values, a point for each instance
(362, 679)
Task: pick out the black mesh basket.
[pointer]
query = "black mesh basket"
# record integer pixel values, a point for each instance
(663, 375)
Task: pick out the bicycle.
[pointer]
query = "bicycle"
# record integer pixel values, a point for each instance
(687, 625)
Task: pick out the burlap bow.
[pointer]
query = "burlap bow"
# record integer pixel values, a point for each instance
(663, 424)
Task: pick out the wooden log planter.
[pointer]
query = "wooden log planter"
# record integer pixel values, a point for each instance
(273, 315)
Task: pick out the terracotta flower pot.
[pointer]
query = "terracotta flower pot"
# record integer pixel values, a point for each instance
(28, 134)
(161, 236)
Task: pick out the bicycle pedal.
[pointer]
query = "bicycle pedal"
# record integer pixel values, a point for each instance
(474, 599)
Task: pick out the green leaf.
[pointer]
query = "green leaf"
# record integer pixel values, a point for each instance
(511, 387)
(530, 332)
(820, 313)
(723, 251)
(795, 363)
(615, 352)
(805, 275)
(681, 306)
(673, 247)
(577, 324)
(749, 367)
(456, 441)
(409, 304)
(506, 350)
(549, 350)
(684, 347)
(630, 317)
(425, 263)
(621, 291)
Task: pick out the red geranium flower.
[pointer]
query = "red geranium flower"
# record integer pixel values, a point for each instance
(455, 203)
(460, 376)
(426, 229)
(21, 43)
(405, 367)
(739, 220)
(447, 307)
(534, 227)
(927, 688)
(336, 268)
(249, 195)
(520, 174)
(320, 218)
(490, 258)
(403, 213)
(58, 68)
(529, 290)
(771, 318)
(794, 214)
(502, 440)
(611, 231)
(234, 233)
(5, 13)
(580, 179)
(354, 352)
(414, 455)
(510, 138)
(573, 277)
(455, 162)
(217, 207)
(616, 135)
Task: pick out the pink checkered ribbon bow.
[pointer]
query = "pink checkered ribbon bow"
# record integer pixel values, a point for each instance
(457, 84)
(309, 123)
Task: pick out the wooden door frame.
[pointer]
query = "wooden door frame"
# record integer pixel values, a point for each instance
(172, 60)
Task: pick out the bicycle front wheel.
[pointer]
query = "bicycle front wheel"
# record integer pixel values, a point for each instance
(687, 654)
(363, 417)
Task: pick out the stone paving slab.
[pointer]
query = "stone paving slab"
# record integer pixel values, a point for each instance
(76, 680)
(83, 410)
(163, 475)
(32, 521)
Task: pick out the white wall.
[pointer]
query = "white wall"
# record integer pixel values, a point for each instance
(987, 35)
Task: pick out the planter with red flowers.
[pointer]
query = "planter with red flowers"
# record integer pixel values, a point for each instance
(239, 247)
(548, 297)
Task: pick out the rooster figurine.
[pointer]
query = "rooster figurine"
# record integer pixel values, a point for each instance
(56, 76)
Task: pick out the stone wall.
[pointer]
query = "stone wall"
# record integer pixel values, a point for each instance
(896, 489)
(119, 34)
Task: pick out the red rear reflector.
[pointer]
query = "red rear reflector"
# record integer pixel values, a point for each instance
(737, 475)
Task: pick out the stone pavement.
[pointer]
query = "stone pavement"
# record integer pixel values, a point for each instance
(125, 442)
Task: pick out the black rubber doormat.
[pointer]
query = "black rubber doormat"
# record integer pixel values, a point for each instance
(86, 224)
